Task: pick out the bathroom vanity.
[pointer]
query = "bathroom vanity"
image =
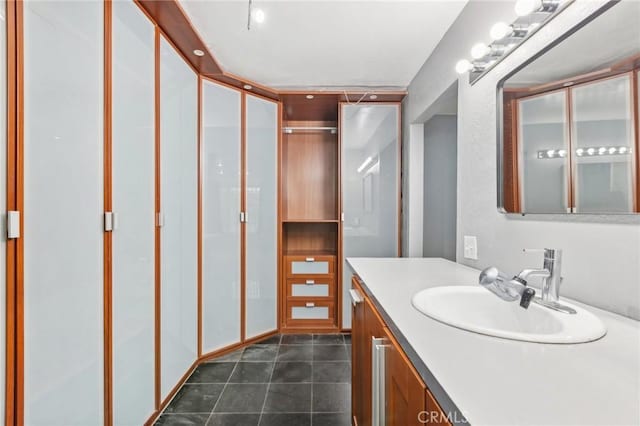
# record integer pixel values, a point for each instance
(411, 369)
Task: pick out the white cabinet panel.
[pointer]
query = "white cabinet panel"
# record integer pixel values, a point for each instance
(309, 267)
(134, 203)
(309, 290)
(221, 189)
(261, 227)
(179, 200)
(370, 186)
(63, 211)
(309, 312)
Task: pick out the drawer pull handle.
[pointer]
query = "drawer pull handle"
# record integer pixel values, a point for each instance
(310, 304)
(310, 259)
(310, 282)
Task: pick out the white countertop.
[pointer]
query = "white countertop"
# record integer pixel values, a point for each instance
(495, 381)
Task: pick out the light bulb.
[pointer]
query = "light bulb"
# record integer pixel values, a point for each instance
(463, 66)
(551, 153)
(562, 153)
(623, 150)
(612, 150)
(479, 50)
(500, 31)
(258, 16)
(527, 7)
(591, 151)
(579, 152)
(602, 150)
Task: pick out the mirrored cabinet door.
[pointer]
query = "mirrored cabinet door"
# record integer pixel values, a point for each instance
(603, 140)
(543, 149)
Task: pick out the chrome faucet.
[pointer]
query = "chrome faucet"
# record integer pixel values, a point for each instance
(516, 287)
(551, 279)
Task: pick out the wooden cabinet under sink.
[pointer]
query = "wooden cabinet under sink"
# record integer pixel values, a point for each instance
(386, 388)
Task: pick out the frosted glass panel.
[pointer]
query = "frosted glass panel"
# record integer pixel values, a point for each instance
(310, 290)
(543, 128)
(221, 121)
(603, 141)
(261, 242)
(309, 267)
(304, 312)
(179, 200)
(3, 197)
(63, 210)
(370, 178)
(134, 203)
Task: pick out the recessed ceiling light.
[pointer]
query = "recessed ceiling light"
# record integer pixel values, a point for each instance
(258, 16)
(198, 52)
(373, 97)
(309, 96)
(248, 86)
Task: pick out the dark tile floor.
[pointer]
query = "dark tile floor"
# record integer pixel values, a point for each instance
(288, 380)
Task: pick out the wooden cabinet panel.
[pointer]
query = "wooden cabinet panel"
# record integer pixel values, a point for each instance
(408, 402)
(405, 391)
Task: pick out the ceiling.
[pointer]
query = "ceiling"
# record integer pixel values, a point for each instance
(609, 38)
(324, 44)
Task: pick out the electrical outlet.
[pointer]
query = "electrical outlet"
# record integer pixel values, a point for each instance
(470, 247)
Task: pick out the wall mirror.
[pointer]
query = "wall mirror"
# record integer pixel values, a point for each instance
(568, 121)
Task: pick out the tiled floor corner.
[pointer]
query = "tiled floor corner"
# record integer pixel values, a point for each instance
(286, 380)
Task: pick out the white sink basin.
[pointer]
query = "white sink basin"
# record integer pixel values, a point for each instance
(475, 309)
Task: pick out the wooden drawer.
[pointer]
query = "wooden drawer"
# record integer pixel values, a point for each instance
(311, 287)
(310, 312)
(310, 266)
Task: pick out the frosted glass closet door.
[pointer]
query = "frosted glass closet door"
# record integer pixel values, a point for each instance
(221, 121)
(134, 203)
(603, 139)
(63, 212)
(3, 198)
(179, 209)
(370, 186)
(262, 215)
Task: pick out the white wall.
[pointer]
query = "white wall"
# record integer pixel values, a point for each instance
(440, 141)
(602, 253)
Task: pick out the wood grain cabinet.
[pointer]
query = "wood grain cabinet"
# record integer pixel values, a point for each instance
(386, 388)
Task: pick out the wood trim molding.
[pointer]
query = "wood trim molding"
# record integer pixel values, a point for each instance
(243, 208)
(108, 241)
(13, 258)
(157, 210)
(200, 177)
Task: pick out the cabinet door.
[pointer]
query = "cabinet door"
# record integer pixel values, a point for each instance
(405, 392)
(63, 213)
(358, 372)
(262, 216)
(221, 161)
(370, 185)
(179, 209)
(603, 146)
(543, 145)
(133, 153)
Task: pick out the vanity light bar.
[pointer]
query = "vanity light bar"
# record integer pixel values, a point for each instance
(532, 15)
(546, 154)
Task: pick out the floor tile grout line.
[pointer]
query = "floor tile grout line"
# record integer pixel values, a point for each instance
(222, 392)
(266, 394)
